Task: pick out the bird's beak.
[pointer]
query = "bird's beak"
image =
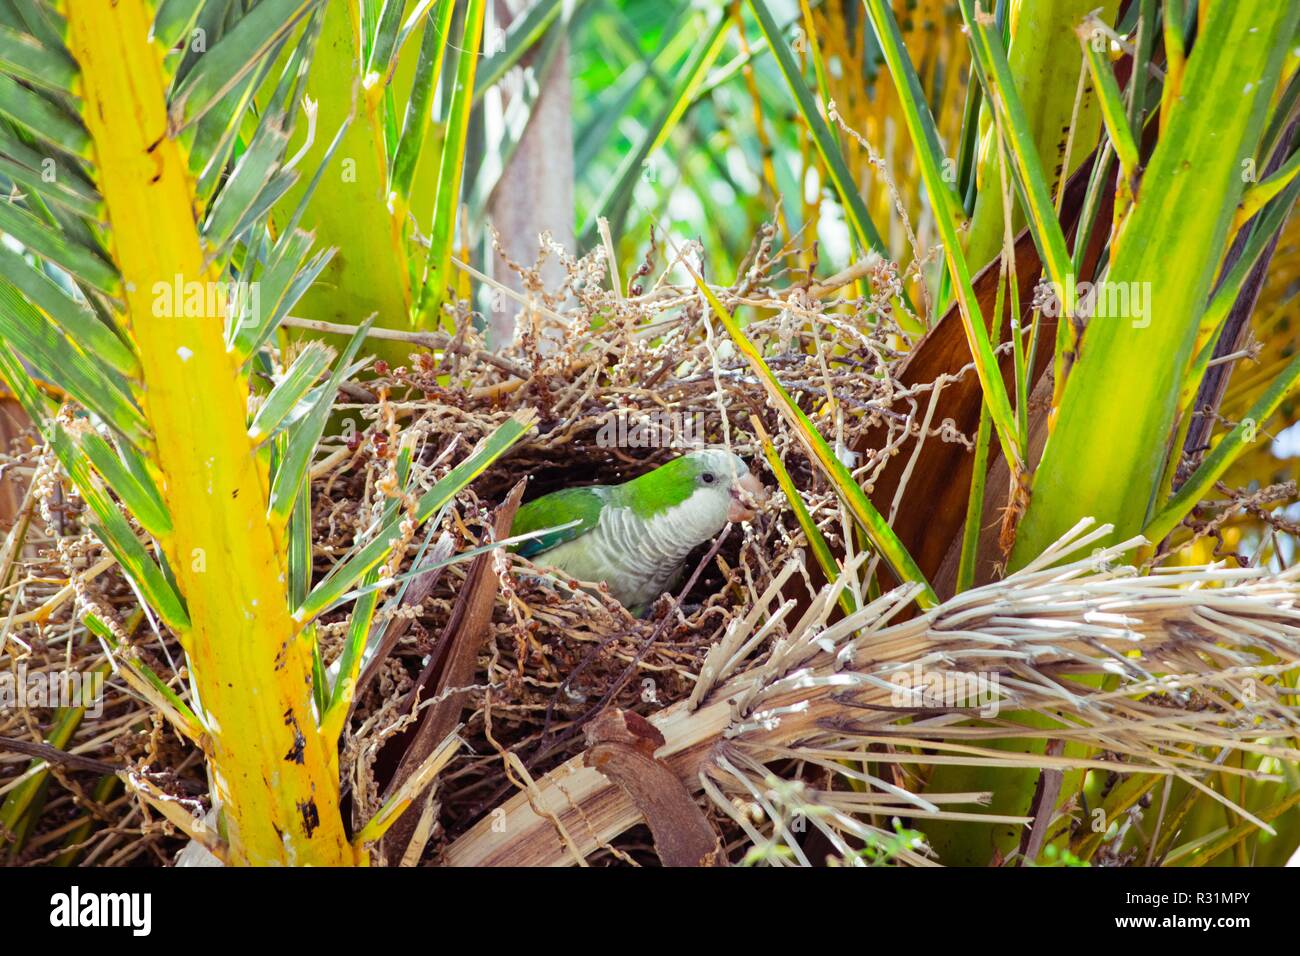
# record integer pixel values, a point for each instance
(747, 496)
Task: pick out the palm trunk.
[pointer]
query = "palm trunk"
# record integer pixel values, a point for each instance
(535, 193)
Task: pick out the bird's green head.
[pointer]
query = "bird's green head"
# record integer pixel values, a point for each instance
(712, 484)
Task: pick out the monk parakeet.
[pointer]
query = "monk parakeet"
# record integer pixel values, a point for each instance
(635, 536)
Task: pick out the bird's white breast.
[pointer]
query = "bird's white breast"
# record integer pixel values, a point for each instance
(638, 558)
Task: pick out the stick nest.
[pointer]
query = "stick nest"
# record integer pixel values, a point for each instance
(645, 366)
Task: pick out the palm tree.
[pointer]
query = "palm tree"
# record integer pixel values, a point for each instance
(220, 212)
(176, 277)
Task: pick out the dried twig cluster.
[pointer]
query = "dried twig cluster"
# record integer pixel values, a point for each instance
(620, 377)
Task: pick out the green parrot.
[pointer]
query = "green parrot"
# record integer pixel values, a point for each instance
(635, 536)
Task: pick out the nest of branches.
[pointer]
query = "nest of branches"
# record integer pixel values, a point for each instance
(487, 685)
(653, 378)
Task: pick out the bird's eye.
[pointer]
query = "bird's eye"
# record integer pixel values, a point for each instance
(707, 477)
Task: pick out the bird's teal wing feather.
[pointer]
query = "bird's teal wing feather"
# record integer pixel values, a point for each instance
(559, 507)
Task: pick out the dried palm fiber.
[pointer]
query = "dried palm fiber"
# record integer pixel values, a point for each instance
(1197, 653)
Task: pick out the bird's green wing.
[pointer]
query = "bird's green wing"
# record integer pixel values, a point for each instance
(559, 507)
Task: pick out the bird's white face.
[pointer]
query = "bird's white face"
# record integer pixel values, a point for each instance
(725, 489)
